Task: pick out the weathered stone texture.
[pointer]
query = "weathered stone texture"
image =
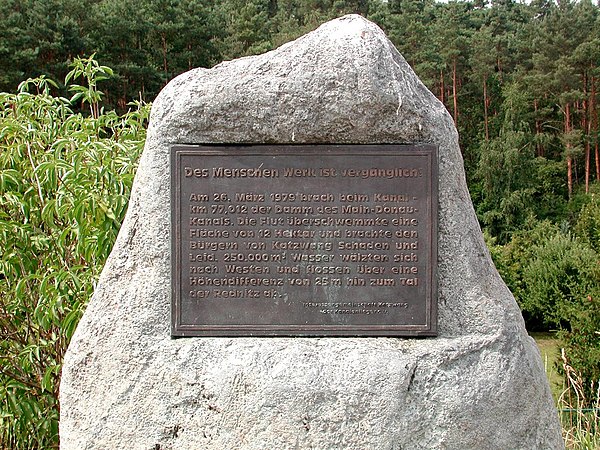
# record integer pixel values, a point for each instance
(127, 385)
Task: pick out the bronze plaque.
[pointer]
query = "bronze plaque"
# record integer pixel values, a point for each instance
(304, 240)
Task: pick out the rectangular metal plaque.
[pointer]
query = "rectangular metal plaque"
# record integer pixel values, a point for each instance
(306, 240)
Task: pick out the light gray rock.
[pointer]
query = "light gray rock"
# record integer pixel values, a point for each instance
(127, 385)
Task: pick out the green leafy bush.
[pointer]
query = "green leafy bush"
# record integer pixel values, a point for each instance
(582, 343)
(582, 339)
(65, 181)
(514, 257)
(549, 270)
(554, 274)
(588, 222)
(563, 271)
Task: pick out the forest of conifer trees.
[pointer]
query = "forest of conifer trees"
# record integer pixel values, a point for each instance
(516, 76)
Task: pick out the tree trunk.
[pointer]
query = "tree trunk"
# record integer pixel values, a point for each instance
(454, 91)
(597, 156)
(442, 87)
(594, 124)
(122, 101)
(164, 49)
(587, 167)
(570, 175)
(585, 125)
(568, 146)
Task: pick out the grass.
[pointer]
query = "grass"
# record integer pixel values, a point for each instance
(549, 347)
(580, 416)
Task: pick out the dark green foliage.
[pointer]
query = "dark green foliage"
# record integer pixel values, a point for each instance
(582, 341)
(64, 187)
(40, 37)
(549, 269)
(588, 223)
(247, 30)
(554, 273)
(562, 272)
(582, 338)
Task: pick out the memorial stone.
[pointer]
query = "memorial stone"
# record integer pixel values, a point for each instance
(128, 384)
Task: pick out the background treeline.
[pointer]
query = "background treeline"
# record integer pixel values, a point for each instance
(520, 80)
(512, 75)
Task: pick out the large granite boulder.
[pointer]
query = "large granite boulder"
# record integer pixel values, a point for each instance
(127, 384)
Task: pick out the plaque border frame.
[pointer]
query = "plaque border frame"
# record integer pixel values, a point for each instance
(429, 329)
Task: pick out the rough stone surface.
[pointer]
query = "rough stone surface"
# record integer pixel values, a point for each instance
(127, 385)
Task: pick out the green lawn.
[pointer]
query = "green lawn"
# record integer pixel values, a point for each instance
(549, 346)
